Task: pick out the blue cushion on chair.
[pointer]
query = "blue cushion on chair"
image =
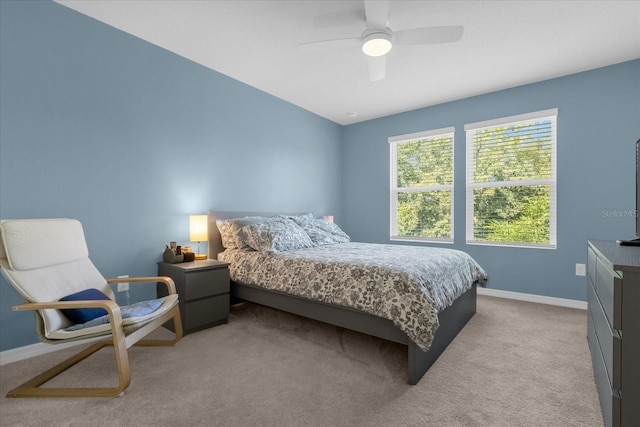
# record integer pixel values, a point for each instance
(82, 315)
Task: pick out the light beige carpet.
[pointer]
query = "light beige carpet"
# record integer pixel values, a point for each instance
(515, 364)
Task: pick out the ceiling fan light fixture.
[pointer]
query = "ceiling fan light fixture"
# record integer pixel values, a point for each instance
(376, 44)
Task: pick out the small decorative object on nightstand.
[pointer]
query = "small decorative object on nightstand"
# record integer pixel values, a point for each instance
(203, 290)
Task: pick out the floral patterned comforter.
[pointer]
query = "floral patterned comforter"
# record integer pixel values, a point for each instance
(406, 284)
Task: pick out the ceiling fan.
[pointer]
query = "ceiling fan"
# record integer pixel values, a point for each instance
(378, 39)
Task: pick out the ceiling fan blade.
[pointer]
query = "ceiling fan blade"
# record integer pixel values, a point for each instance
(377, 67)
(329, 44)
(377, 13)
(429, 35)
(338, 19)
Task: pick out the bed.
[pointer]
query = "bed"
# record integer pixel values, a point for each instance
(263, 276)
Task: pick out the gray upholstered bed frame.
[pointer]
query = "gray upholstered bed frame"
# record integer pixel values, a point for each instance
(452, 320)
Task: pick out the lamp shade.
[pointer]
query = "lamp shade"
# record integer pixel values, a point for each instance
(198, 230)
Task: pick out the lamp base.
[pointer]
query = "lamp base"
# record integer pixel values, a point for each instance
(201, 256)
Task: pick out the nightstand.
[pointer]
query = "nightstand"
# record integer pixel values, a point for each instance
(203, 291)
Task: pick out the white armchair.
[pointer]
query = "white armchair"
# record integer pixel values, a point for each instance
(46, 260)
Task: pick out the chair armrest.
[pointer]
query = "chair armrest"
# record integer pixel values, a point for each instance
(168, 281)
(112, 308)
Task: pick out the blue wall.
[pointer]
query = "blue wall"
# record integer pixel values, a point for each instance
(598, 125)
(129, 138)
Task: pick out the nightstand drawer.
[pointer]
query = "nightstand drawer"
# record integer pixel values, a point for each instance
(609, 290)
(206, 283)
(206, 312)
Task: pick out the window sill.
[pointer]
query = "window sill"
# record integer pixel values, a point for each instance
(511, 245)
(421, 240)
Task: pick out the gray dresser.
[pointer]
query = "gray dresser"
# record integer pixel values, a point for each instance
(613, 329)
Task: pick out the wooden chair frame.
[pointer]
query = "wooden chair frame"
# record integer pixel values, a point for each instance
(122, 337)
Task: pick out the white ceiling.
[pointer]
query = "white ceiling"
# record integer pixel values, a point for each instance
(505, 44)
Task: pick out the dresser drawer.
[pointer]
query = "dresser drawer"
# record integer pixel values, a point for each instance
(591, 265)
(608, 341)
(206, 283)
(609, 290)
(610, 401)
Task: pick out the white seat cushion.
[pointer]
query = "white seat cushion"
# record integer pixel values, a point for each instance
(38, 243)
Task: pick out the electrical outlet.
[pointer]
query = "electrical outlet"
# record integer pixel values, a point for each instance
(581, 270)
(124, 286)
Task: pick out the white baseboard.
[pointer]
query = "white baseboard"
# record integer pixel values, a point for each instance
(562, 302)
(38, 349)
(26, 352)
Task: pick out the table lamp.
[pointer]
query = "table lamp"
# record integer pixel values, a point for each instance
(198, 232)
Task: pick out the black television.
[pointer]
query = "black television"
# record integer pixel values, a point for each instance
(636, 241)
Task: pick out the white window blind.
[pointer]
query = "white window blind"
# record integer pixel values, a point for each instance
(422, 186)
(511, 181)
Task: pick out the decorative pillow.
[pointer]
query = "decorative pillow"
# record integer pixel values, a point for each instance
(226, 235)
(231, 230)
(279, 235)
(82, 315)
(323, 232)
(239, 224)
(296, 218)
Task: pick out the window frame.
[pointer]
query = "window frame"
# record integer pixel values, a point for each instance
(551, 114)
(394, 142)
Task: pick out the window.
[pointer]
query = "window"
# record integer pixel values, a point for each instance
(511, 181)
(422, 186)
